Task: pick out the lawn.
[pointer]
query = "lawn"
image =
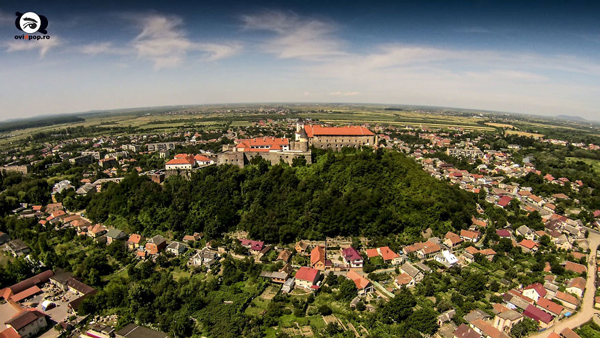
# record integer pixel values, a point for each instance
(4, 258)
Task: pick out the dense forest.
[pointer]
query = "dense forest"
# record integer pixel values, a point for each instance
(352, 193)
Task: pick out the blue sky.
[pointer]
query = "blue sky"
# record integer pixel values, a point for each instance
(537, 57)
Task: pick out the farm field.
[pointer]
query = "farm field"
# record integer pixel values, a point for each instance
(523, 133)
(594, 163)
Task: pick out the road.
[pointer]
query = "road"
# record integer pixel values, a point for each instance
(586, 310)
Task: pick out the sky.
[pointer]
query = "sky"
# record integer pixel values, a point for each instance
(532, 57)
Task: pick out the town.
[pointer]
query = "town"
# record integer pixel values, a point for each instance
(516, 257)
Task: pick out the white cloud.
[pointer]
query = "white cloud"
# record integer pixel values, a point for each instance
(339, 93)
(6, 19)
(215, 51)
(36, 45)
(103, 48)
(295, 36)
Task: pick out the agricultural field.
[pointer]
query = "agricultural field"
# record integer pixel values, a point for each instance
(524, 133)
(594, 163)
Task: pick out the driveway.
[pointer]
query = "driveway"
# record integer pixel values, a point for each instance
(586, 310)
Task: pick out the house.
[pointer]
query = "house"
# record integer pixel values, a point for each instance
(276, 276)
(317, 257)
(307, 278)
(550, 307)
(17, 247)
(414, 273)
(389, 256)
(428, 250)
(476, 314)
(576, 286)
(527, 233)
(136, 331)
(504, 201)
(28, 322)
(487, 330)
(3, 238)
(288, 286)
(567, 332)
(575, 267)
(597, 302)
(135, 241)
(205, 257)
(535, 291)
(569, 301)
(551, 289)
(97, 231)
(465, 331)
(516, 299)
(352, 257)
(446, 317)
(301, 248)
(256, 246)
(176, 248)
(79, 288)
(562, 242)
(363, 285)
(284, 255)
(156, 244)
(505, 320)
(404, 279)
(488, 253)
(192, 238)
(446, 258)
(114, 234)
(543, 318)
(528, 245)
(452, 240)
(470, 236)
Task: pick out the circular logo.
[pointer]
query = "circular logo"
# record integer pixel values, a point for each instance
(30, 22)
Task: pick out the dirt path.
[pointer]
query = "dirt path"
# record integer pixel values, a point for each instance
(587, 307)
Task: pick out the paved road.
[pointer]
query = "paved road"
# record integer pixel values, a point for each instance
(587, 310)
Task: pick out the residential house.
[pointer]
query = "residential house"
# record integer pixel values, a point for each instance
(551, 290)
(363, 285)
(465, 331)
(204, 257)
(528, 245)
(488, 253)
(505, 320)
(414, 273)
(550, 307)
(113, 235)
(576, 286)
(535, 291)
(192, 238)
(389, 256)
(79, 288)
(135, 241)
(543, 318)
(404, 279)
(307, 278)
(275, 276)
(3, 238)
(562, 242)
(567, 332)
(255, 246)
(452, 240)
(301, 248)
(470, 236)
(476, 314)
(352, 257)
(446, 258)
(155, 244)
(428, 250)
(288, 286)
(569, 301)
(97, 231)
(487, 330)
(527, 233)
(575, 267)
(17, 247)
(28, 322)
(176, 248)
(503, 233)
(284, 255)
(317, 257)
(446, 317)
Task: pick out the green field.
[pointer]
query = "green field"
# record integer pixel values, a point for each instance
(594, 163)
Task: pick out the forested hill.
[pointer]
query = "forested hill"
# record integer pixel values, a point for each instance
(358, 193)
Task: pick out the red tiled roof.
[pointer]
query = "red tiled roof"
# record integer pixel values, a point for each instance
(504, 201)
(306, 274)
(372, 253)
(578, 268)
(135, 239)
(503, 233)
(470, 234)
(317, 255)
(387, 254)
(537, 314)
(314, 130)
(454, 238)
(9, 333)
(539, 288)
(25, 318)
(550, 306)
(565, 297)
(529, 244)
(359, 280)
(25, 294)
(179, 161)
(403, 279)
